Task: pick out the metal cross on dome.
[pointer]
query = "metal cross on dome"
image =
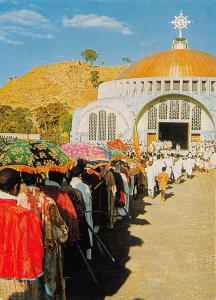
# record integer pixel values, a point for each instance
(180, 22)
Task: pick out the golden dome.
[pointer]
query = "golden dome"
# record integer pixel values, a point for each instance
(173, 63)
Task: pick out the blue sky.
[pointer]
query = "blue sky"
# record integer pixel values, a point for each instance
(41, 32)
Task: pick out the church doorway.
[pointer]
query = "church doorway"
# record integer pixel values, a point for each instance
(175, 132)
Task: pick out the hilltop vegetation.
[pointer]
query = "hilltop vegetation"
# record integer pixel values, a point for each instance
(50, 93)
(65, 82)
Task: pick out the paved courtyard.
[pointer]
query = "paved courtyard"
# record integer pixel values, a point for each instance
(164, 251)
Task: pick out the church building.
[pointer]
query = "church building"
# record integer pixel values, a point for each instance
(169, 95)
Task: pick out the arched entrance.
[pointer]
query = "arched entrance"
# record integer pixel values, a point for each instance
(178, 133)
(173, 117)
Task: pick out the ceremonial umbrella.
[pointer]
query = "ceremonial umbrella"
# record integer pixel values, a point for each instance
(16, 155)
(106, 152)
(86, 151)
(48, 156)
(117, 144)
(33, 156)
(117, 154)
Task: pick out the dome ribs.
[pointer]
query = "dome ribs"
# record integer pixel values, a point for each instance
(173, 63)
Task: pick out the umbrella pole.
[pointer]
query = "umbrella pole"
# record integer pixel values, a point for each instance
(127, 212)
(101, 243)
(100, 248)
(86, 263)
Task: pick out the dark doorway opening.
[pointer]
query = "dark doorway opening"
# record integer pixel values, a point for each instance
(175, 132)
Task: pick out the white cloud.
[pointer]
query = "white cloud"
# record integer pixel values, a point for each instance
(95, 21)
(24, 32)
(24, 22)
(5, 38)
(26, 17)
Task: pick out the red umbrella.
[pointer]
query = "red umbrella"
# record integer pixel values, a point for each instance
(117, 144)
(83, 150)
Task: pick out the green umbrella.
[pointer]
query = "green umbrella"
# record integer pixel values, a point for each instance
(32, 156)
(48, 154)
(16, 154)
(117, 154)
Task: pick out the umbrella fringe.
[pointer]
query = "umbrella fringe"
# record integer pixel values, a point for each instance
(40, 169)
(19, 168)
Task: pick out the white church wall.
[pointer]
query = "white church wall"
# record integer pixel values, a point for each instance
(208, 129)
(127, 98)
(206, 122)
(74, 134)
(143, 127)
(80, 125)
(209, 124)
(151, 85)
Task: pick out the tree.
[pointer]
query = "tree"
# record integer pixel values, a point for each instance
(89, 55)
(18, 120)
(49, 120)
(126, 59)
(23, 120)
(95, 79)
(65, 124)
(5, 111)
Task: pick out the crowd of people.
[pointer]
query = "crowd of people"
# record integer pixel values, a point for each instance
(48, 221)
(158, 159)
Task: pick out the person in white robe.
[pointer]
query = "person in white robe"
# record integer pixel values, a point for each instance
(169, 164)
(184, 159)
(77, 183)
(177, 169)
(170, 145)
(150, 172)
(159, 164)
(126, 192)
(131, 188)
(178, 148)
(194, 162)
(123, 211)
(189, 165)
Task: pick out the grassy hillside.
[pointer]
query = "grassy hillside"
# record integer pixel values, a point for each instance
(65, 82)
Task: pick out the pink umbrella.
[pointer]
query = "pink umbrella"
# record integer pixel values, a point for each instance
(83, 150)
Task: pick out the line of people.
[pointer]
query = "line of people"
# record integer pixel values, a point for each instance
(45, 221)
(174, 165)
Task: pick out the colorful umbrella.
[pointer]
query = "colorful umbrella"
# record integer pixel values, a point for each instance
(49, 156)
(106, 152)
(117, 144)
(117, 154)
(86, 151)
(33, 156)
(16, 154)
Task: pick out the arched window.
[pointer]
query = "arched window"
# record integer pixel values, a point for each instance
(185, 110)
(102, 126)
(111, 126)
(196, 118)
(152, 117)
(163, 110)
(92, 126)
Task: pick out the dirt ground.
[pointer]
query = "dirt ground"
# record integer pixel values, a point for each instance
(163, 251)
